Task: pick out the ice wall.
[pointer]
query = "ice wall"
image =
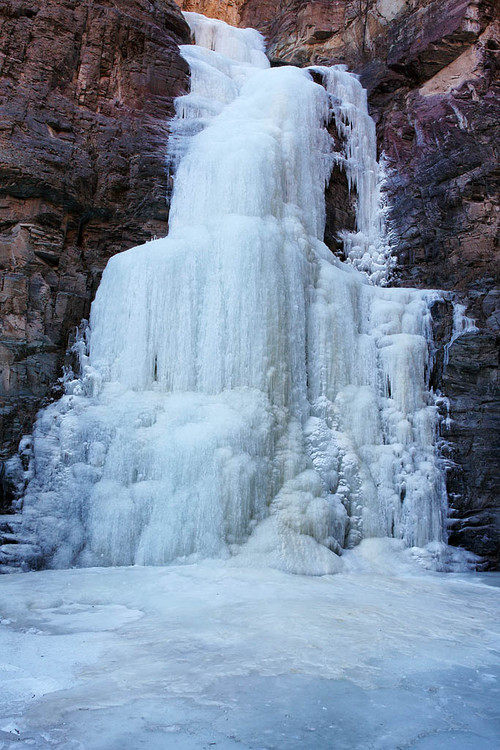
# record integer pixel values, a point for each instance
(245, 394)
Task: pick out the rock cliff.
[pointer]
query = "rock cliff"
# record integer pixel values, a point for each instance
(86, 92)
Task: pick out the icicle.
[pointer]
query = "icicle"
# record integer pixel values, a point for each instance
(461, 325)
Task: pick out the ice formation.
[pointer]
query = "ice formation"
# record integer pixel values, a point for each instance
(462, 324)
(245, 394)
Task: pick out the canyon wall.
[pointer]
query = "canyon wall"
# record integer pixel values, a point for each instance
(86, 94)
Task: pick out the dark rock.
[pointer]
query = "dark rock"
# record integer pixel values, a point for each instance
(470, 381)
(86, 93)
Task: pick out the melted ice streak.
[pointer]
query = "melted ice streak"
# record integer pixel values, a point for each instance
(246, 394)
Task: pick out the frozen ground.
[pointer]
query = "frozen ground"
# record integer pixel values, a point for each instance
(214, 656)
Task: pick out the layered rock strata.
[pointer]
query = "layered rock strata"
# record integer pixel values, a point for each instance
(86, 95)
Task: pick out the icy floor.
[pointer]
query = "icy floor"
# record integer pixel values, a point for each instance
(213, 656)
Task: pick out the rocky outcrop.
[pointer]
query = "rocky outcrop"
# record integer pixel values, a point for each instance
(229, 11)
(466, 373)
(470, 381)
(86, 94)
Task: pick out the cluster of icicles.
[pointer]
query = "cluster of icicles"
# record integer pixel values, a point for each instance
(245, 394)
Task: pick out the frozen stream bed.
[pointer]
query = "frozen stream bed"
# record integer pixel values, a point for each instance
(215, 656)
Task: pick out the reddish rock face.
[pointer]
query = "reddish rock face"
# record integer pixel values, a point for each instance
(229, 11)
(86, 94)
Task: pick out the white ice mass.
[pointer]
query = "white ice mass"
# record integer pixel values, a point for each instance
(245, 394)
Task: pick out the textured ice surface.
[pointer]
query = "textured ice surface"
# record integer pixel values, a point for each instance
(213, 656)
(245, 392)
(462, 324)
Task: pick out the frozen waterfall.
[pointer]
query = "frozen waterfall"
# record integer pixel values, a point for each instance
(245, 394)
